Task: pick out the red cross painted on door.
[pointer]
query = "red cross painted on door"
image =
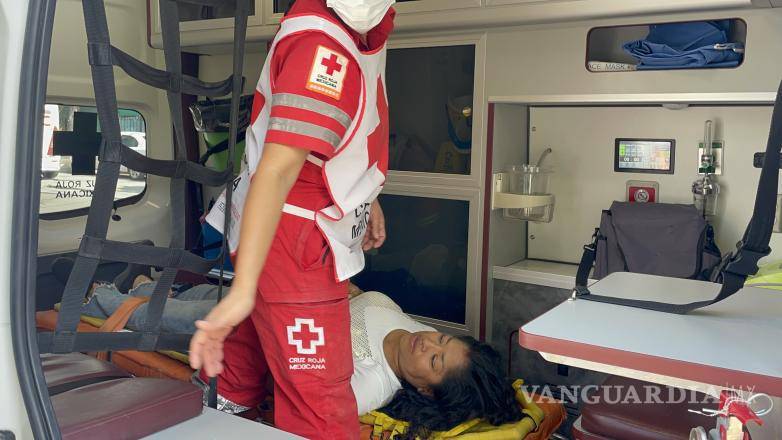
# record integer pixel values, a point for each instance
(306, 340)
(331, 64)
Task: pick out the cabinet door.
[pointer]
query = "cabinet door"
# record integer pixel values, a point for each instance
(275, 8)
(431, 106)
(412, 6)
(194, 17)
(516, 2)
(429, 262)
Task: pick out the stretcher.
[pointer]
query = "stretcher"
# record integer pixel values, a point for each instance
(166, 364)
(64, 373)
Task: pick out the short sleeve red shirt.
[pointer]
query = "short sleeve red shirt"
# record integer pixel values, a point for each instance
(313, 113)
(306, 114)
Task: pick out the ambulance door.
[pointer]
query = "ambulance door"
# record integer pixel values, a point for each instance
(71, 141)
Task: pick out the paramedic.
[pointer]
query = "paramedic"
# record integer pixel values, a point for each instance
(317, 152)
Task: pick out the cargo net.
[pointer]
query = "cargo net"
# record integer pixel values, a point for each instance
(94, 244)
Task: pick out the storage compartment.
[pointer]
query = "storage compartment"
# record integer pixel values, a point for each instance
(194, 12)
(281, 6)
(586, 183)
(423, 265)
(430, 93)
(667, 46)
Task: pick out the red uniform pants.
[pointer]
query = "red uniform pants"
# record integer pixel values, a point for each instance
(300, 333)
(306, 347)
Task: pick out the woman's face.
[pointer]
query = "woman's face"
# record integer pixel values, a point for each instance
(425, 358)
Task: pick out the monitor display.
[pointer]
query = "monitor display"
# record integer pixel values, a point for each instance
(644, 156)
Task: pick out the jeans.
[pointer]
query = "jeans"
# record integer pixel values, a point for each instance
(179, 316)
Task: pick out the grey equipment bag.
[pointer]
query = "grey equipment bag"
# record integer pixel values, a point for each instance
(656, 239)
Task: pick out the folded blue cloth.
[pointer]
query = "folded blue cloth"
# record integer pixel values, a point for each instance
(686, 46)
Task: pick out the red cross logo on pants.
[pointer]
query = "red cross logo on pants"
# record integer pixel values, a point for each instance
(306, 341)
(331, 64)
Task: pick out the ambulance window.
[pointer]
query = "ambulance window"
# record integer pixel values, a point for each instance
(430, 93)
(71, 139)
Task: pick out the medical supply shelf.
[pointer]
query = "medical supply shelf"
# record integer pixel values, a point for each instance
(211, 36)
(509, 241)
(605, 52)
(607, 99)
(540, 273)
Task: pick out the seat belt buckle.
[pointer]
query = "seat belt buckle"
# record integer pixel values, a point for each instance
(744, 261)
(578, 292)
(592, 247)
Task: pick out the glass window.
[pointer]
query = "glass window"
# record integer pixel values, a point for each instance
(281, 6)
(423, 264)
(71, 138)
(430, 92)
(193, 12)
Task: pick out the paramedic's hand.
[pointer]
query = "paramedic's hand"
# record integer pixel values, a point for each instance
(376, 229)
(206, 346)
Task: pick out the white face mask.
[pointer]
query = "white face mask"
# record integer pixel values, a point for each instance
(360, 15)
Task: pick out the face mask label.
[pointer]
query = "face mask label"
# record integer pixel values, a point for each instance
(327, 75)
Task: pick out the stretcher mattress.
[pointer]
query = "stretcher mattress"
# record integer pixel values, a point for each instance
(64, 372)
(128, 408)
(603, 419)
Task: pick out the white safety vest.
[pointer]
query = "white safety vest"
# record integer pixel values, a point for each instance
(353, 177)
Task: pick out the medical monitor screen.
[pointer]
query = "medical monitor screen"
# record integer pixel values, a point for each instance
(644, 156)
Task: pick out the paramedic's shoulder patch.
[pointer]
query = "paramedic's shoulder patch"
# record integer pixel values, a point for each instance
(327, 75)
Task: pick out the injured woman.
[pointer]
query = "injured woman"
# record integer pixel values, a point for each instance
(401, 367)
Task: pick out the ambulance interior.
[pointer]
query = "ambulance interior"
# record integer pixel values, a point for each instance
(513, 125)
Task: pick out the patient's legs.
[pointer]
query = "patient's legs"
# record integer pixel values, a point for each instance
(201, 292)
(179, 316)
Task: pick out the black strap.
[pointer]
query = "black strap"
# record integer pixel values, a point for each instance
(103, 54)
(743, 261)
(219, 148)
(240, 26)
(587, 260)
(94, 245)
(174, 169)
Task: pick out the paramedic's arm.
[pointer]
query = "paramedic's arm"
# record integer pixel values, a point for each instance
(277, 172)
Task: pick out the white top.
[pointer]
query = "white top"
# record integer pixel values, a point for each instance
(372, 317)
(732, 342)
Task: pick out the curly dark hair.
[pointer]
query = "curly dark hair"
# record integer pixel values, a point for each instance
(478, 390)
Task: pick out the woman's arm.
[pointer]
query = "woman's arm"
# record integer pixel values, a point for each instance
(277, 172)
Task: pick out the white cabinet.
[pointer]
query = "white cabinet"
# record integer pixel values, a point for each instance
(275, 8)
(515, 2)
(205, 29)
(415, 6)
(431, 263)
(194, 17)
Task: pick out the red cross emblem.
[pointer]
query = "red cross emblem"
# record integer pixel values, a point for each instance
(331, 64)
(306, 341)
